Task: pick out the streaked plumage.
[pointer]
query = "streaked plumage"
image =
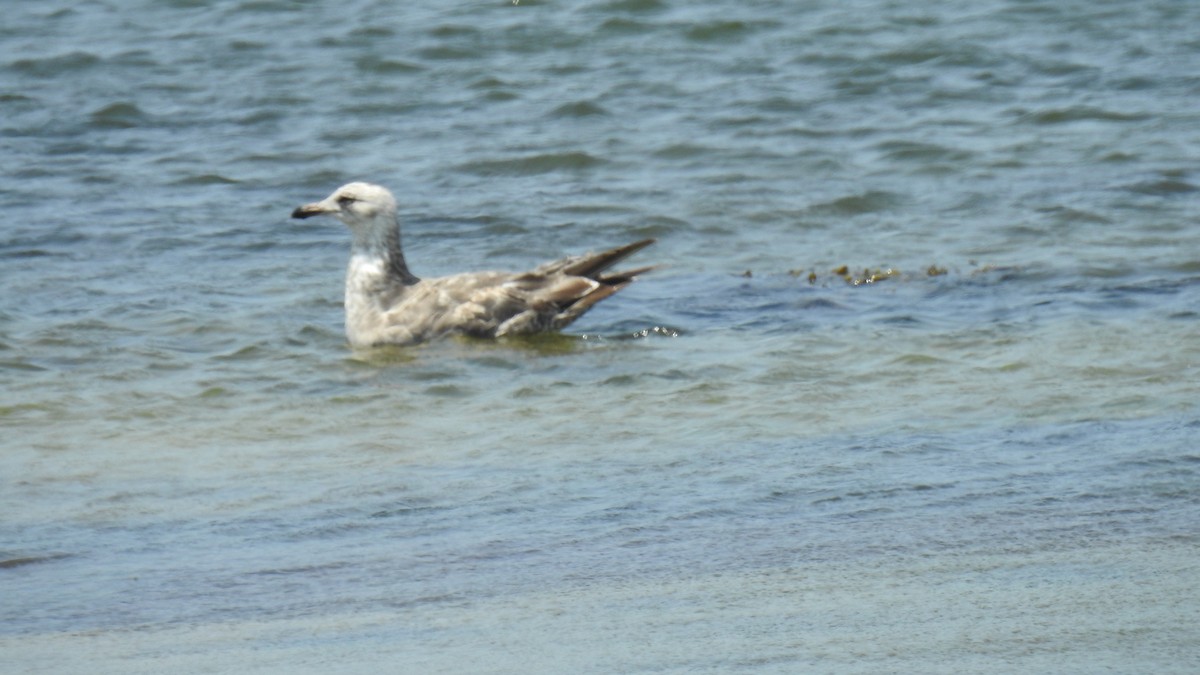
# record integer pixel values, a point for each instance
(388, 304)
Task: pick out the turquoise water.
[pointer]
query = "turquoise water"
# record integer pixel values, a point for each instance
(984, 460)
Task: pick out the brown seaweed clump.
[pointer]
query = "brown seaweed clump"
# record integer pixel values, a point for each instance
(863, 277)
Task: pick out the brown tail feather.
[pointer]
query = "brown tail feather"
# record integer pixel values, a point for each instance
(577, 308)
(624, 276)
(592, 265)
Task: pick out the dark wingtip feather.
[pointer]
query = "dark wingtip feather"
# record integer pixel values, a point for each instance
(625, 276)
(591, 265)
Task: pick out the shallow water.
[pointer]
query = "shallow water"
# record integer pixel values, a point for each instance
(983, 460)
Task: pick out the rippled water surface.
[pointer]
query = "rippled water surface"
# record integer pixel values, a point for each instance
(915, 389)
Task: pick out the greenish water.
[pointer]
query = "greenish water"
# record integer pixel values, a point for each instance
(983, 461)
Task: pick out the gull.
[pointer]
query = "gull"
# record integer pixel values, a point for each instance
(386, 304)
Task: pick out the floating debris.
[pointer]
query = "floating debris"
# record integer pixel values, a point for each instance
(871, 275)
(868, 275)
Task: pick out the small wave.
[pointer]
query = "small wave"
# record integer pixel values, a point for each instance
(722, 31)
(533, 164)
(659, 226)
(578, 109)
(370, 31)
(444, 53)
(17, 365)
(625, 27)
(1067, 215)
(489, 82)
(640, 332)
(448, 391)
(907, 151)
(206, 179)
(382, 66)
(1079, 113)
(872, 201)
(784, 104)
(267, 7)
(32, 560)
(682, 151)
(943, 53)
(636, 6)
(13, 97)
(56, 65)
(157, 245)
(455, 31)
(28, 253)
(915, 359)
(120, 115)
(657, 331)
(1165, 187)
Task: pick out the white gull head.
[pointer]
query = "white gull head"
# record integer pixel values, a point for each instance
(370, 213)
(363, 207)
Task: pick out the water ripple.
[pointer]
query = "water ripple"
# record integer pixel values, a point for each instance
(533, 164)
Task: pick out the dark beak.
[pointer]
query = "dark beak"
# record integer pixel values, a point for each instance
(308, 211)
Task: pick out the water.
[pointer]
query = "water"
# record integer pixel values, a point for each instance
(983, 461)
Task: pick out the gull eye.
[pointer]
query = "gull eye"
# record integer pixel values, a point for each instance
(346, 200)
